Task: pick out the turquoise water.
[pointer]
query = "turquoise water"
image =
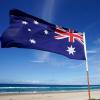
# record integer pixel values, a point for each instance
(34, 88)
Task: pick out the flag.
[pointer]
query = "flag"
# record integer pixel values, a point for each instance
(27, 31)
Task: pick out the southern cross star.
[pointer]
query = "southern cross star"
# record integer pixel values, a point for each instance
(36, 22)
(29, 29)
(45, 32)
(71, 50)
(24, 22)
(32, 41)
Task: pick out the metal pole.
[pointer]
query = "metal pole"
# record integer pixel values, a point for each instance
(87, 68)
(88, 85)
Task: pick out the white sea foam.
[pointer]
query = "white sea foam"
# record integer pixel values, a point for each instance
(21, 87)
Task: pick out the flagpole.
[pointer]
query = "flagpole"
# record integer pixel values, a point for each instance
(87, 67)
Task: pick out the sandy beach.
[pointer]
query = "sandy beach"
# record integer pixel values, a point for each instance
(51, 96)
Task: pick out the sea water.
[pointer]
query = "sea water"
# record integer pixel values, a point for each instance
(40, 88)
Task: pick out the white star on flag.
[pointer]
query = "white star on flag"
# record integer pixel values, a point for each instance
(32, 41)
(36, 22)
(71, 50)
(29, 29)
(46, 32)
(24, 22)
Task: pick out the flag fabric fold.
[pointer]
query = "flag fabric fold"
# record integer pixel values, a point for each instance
(27, 31)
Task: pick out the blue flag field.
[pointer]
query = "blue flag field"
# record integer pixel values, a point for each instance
(27, 31)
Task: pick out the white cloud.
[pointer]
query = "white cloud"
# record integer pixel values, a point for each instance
(92, 51)
(38, 61)
(41, 57)
(48, 10)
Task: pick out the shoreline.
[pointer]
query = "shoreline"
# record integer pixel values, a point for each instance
(47, 92)
(73, 95)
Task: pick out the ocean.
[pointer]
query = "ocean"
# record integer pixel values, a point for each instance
(40, 88)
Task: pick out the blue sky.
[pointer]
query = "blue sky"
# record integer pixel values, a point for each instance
(34, 66)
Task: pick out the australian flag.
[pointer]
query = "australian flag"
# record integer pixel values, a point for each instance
(27, 31)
